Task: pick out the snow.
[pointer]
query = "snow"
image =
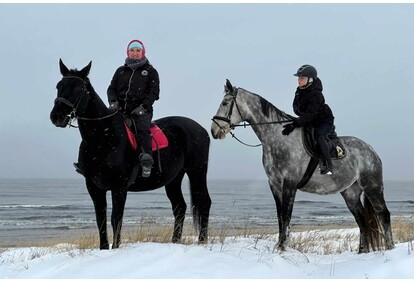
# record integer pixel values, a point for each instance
(249, 257)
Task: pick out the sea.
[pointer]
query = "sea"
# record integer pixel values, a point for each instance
(39, 209)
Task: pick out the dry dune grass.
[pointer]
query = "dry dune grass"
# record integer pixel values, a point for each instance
(328, 239)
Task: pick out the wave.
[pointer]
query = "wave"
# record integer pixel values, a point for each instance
(401, 201)
(312, 202)
(58, 206)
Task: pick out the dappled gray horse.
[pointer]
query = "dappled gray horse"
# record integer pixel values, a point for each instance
(285, 161)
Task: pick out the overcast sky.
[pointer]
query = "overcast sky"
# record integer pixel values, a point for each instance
(363, 53)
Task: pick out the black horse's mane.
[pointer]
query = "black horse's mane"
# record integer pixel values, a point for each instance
(268, 107)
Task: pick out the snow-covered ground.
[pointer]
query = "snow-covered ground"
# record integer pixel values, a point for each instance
(237, 258)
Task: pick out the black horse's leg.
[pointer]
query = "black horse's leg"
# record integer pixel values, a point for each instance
(98, 197)
(201, 201)
(284, 198)
(118, 206)
(179, 207)
(352, 197)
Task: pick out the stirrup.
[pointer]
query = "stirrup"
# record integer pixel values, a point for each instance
(146, 162)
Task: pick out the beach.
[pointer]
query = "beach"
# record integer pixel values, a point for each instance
(35, 211)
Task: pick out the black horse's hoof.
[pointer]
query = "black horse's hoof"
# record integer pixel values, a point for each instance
(104, 247)
(176, 241)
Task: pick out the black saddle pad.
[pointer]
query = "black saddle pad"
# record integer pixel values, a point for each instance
(336, 147)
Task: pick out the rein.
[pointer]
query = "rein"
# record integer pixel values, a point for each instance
(244, 125)
(97, 119)
(87, 119)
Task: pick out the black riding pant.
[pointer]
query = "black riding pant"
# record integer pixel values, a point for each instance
(321, 134)
(141, 128)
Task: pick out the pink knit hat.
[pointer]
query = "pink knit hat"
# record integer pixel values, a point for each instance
(138, 41)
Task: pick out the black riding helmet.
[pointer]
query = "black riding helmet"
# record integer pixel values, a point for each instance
(306, 71)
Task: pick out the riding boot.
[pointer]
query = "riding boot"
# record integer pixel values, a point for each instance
(326, 168)
(142, 133)
(146, 162)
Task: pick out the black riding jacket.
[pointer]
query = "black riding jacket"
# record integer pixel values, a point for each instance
(309, 104)
(132, 88)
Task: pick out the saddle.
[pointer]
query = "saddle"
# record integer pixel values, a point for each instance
(336, 149)
(159, 140)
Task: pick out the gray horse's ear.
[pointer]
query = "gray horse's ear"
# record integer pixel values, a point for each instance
(228, 87)
(63, 69)
(85, 71)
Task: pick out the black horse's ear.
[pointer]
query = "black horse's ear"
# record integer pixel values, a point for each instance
(85, 71)
(228, 87)
(63, 69)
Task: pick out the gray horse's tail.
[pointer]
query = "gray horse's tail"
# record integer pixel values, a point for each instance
(373, 229)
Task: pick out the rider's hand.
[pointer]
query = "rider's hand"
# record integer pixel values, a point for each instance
(288, 128)
(114, 106)
(140, 110)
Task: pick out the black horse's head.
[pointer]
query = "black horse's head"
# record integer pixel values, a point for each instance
(72, 95)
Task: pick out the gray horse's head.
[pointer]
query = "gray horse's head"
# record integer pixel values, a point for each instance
(228, 113)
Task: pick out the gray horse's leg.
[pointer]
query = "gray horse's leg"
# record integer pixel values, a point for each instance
(352, 197)
(375, 193)
(284, 198)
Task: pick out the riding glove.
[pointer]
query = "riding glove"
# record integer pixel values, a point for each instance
(288, 128)
(140, 110)
(114, 106)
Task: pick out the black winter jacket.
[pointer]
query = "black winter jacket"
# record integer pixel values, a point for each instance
(132, 88)
(309, 104)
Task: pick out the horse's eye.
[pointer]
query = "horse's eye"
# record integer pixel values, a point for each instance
(224, 103)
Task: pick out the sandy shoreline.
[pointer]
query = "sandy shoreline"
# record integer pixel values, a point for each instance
(39, 238)
(163, 232)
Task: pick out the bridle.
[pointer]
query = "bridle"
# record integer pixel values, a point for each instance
(79, 105)
(228, 118)
(233, 92)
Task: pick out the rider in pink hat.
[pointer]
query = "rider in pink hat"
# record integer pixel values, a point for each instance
(133, 90)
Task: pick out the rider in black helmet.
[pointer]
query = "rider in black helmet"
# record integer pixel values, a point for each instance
(309, 104)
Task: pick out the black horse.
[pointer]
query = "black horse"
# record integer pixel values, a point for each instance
(107, 158)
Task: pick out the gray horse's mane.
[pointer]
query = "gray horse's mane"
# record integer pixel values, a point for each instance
(268, 107)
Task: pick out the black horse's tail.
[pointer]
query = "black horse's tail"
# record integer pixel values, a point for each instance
(200, 206)
(373, 229)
